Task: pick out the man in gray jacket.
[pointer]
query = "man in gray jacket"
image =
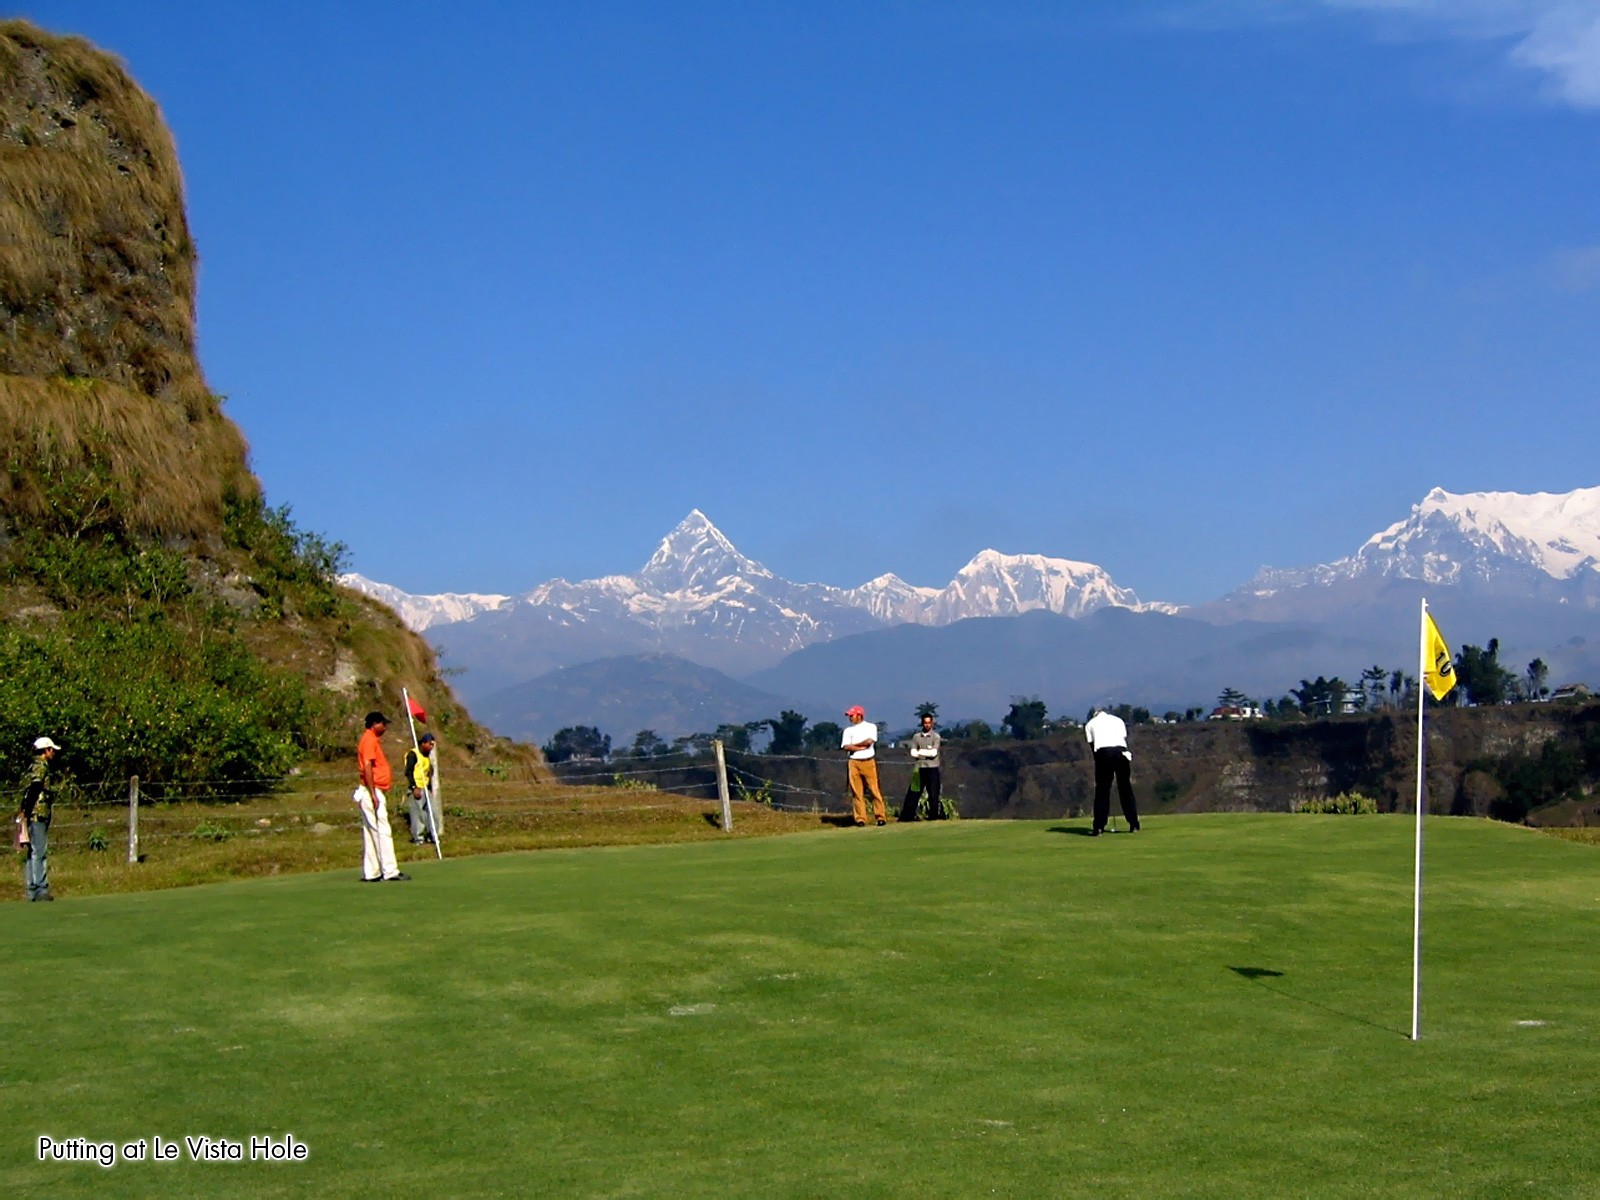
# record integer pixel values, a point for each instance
(925, 758)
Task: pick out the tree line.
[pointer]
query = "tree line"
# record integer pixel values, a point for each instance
(791, 732)
(1480, 680)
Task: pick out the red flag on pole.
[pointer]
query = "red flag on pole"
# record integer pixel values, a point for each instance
(416, 709)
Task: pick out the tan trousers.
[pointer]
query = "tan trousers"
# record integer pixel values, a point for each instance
(864, 771)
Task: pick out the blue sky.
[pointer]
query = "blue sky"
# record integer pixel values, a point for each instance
(499, 292)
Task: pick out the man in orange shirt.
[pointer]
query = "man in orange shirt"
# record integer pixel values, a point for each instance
(377, 839)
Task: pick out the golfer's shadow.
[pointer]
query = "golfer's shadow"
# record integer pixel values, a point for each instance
(1079, 830)
(1259, 975)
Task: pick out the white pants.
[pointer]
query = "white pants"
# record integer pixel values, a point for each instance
(377, 840)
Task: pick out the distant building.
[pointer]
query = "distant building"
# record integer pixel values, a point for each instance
(1232, 712)
(1571, 691)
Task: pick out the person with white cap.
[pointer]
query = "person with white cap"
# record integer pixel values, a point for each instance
(859, 739)
(33, 822)
(1108, 738)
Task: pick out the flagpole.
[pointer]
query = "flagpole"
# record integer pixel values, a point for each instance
(1422, 746)
(405, 701)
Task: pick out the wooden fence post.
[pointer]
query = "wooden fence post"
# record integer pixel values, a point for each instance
(722, 787)
(133, 819)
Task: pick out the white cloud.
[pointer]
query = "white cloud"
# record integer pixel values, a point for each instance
(1559, 39)
(1565, 43)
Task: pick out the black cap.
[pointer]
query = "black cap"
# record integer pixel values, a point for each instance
(427, 737)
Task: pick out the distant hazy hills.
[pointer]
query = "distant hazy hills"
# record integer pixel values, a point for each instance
(1522, 568)
(974, 668)
(625, 694)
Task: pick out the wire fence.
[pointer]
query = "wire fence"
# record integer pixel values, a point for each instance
(321, 801)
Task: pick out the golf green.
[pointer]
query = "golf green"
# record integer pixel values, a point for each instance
(1218, 1006)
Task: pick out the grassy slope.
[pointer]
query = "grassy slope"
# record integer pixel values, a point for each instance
(111, 437)
(315, 828)
(977, 1008)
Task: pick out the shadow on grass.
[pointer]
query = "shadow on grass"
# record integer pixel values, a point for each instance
(1258, 975)
(1079, 830)
(838, 820)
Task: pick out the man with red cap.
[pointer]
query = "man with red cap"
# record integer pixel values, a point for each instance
(859, 740)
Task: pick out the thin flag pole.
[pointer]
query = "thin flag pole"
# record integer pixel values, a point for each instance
(405, 700)
(435, 789)
(1422, 752)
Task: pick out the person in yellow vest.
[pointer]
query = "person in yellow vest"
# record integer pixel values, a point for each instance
(419, 776)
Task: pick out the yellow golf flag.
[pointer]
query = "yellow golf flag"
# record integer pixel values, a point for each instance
(1440, 675)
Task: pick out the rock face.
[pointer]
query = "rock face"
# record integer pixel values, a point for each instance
(97, 271)
(1238, 766)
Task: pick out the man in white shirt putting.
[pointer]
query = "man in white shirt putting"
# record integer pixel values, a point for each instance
(1108, 738)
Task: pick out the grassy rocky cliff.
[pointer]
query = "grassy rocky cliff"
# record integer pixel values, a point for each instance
(157, 617)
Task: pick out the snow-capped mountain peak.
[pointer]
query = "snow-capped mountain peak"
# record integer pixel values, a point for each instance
(422, 612)
(1556, 533)
(1481, 538)
(695, 555)
(995, 584)
(892, 599)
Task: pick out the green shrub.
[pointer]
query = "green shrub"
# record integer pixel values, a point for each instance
(759, 793)
(623, 783)
(74, 572)
(294, 568)
(1344, 802)
(947, 805)
(153, 699)
(136, 672)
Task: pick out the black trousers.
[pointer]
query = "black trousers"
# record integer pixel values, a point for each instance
(1109, 764)
(930, 788)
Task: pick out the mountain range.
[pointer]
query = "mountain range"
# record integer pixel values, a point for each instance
(700, 599)
(1522, 568)
(1541, 546)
